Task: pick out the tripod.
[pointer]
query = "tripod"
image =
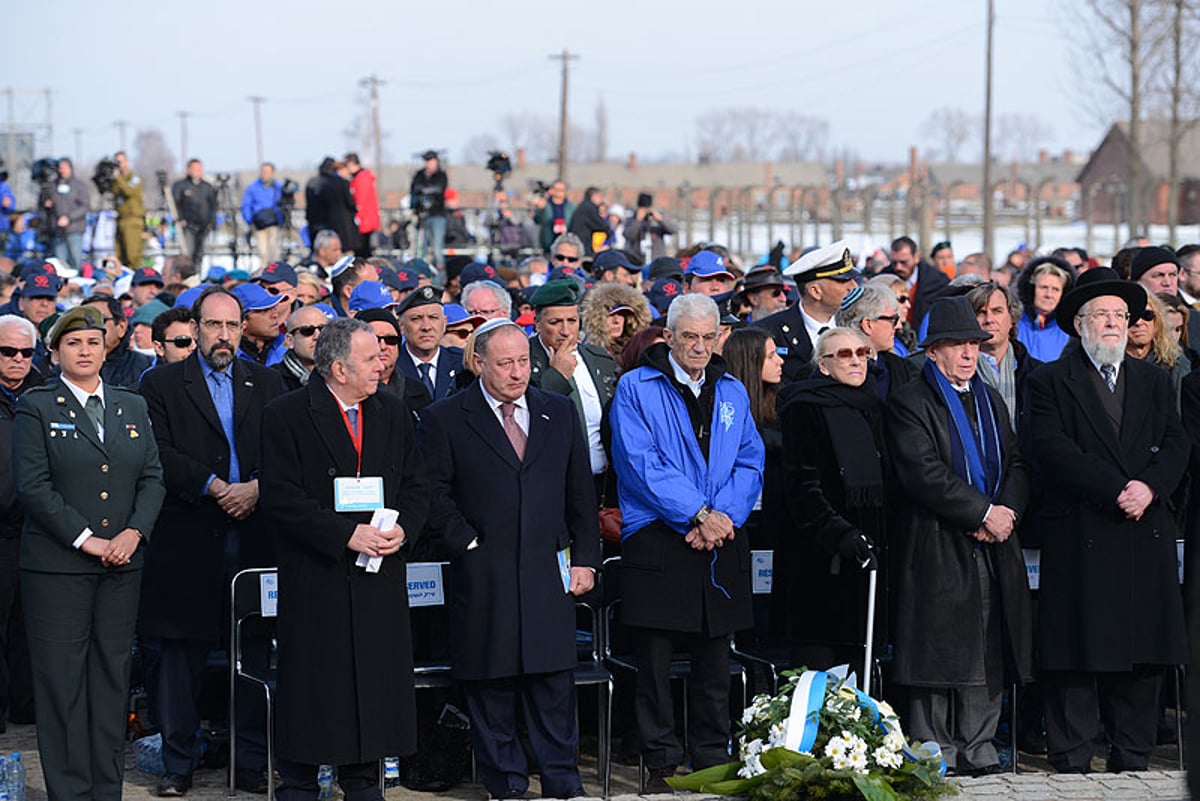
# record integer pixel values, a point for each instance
(227, 202)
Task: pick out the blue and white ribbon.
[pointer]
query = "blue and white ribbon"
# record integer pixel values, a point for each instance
(804, 720)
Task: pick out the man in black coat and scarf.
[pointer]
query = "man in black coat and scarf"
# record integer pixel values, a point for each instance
(963, 612)
(1111, 450)
(328, 204)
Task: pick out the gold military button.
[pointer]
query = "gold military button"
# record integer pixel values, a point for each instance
(104, 496)
(103, 468)
(104, 522)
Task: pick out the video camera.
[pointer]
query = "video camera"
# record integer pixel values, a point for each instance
(499, 164)
(105, 175)
(44, 171)
(3, 171)
(539, 187)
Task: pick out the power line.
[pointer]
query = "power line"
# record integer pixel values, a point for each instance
(373, 83)
(183, 143)
(563, 126)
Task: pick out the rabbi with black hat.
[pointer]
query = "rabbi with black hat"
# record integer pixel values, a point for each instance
(1111, 450)
(962, 619)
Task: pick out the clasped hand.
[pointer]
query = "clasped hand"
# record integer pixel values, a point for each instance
(1134, 499)
(997, 526)
(373, 542)
(712, 533)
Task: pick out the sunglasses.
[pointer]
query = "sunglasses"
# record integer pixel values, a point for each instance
(391, 340)
(274, 290)
(306, 330)
(1147, 315)
(889, 318)
(179, 342)
(461, 333)
(844, 354)
(12, 353)
(902, 299)
(567, 259)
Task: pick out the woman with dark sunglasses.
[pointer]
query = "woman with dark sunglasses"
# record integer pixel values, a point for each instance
(836, 481)
(1150, 339)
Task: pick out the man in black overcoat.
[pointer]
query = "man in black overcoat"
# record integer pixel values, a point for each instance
(346, 693)
(206, 412)
(1111, 450)
(962, 619)
(511, 488)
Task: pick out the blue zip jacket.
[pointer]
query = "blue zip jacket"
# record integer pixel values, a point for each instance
(6, 194)
(259, 196)
(661, 472)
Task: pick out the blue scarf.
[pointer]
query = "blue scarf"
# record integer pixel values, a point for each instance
(983, 471)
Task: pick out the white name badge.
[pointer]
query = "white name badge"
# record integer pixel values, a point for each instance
(362, 494)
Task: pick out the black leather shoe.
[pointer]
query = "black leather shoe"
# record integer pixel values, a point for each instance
(577, 792)
(172, 786)
(987, 770)
(252, 781)
(655, 782)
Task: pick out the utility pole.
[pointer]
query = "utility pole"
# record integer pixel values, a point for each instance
(373, 83)
(563, 126)
(11, 157)
(183, 151)
(988, 232)
(121, 125)
(49, 120)
(78, 143)
(258, 145)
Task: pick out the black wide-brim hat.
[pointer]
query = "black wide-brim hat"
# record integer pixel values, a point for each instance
(1097, 283)
(954, 319)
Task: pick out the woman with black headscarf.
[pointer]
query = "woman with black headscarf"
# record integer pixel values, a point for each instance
(835, 478)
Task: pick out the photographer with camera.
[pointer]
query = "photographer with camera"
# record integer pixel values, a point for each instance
(196, 203)
(428, 200)
(648, 221)
(8, 205)
(65, 205)
(131, 212)
(261, 211)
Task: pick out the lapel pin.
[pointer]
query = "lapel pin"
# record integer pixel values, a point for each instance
(119, 411)
(61, 399)
(71, 414)
(545, 417)
(248, 383)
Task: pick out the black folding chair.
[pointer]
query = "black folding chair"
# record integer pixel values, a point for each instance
(592, 672)
(246, 592)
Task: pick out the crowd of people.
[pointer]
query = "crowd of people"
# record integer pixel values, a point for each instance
(930, 420)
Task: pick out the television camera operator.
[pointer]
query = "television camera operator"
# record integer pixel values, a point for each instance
(428, 200)
(648, 221)
(196, 202)
(64, 202)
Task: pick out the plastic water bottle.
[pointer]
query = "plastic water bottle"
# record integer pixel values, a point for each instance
(325, 781)
(4, 773)
(15, 777)
(391, 772)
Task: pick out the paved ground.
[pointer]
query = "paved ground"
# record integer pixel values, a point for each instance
(1033, 784)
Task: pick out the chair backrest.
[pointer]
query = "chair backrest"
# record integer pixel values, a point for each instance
(590, 607)
(253, 593)
(610, 579)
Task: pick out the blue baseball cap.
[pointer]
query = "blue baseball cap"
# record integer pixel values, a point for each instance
(370, 295)
(278, 271)
(255, 298)
(41, 285)
(610, 260)
(456, 314)
(326, 310)
(341, 265)
(478, 272)
(146, 275)
(707, 264)
(188, 297)
(663, 291)
(419, 267)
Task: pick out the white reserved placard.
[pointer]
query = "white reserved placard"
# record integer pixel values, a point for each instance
(425, 587)
(762, 566)
(268, 592)
(1033, 566)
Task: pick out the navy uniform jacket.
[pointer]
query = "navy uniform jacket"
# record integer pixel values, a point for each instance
(509, 613)
(791, 338)
(68, 480)
(449, 365)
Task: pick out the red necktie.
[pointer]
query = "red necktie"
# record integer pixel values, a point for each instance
(515, 435)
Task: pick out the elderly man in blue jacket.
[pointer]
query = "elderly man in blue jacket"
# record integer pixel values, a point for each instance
(689, 464)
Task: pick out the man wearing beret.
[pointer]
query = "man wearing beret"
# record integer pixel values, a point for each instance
(422, 357)
(561, 363)
(824, 276)
(1111, 450)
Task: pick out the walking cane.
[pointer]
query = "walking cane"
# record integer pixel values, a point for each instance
(868, 660)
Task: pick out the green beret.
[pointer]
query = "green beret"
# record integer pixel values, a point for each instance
(563, 292)
(421, 296)
(80, 318)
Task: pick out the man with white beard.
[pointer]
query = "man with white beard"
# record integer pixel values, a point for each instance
(1111, 450)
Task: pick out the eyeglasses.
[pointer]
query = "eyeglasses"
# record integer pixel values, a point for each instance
(482, 312)
(845, 354)
(689, 338)
(888, 318)
(306, 330)
(274, 290)
(221, 325)
(461, 333)
(775, 291)
(567, 259)
(179, 342)
(12, 353)
(1108, 316)
(391, 340)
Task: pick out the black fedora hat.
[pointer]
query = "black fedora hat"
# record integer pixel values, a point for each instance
(953, 318)
(1096, 283)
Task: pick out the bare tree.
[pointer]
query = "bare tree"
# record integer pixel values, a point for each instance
(1180, 73)
(948, 129)
(1124, 39)
(477, 148)
(151, 153)
(800, 137)
(1020, 136)
(714, 135)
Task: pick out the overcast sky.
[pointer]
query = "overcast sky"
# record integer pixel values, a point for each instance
(873, 68)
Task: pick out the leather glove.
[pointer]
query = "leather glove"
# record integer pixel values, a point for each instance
(858, 548)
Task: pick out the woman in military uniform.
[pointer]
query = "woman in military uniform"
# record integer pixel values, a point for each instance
(88, 476)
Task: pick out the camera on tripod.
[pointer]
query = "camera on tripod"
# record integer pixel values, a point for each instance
(105, 175)
(3, 171)
(499, 165)
(539, 187)
(44, 171)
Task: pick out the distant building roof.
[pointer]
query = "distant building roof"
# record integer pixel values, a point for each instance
(1155, 148)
